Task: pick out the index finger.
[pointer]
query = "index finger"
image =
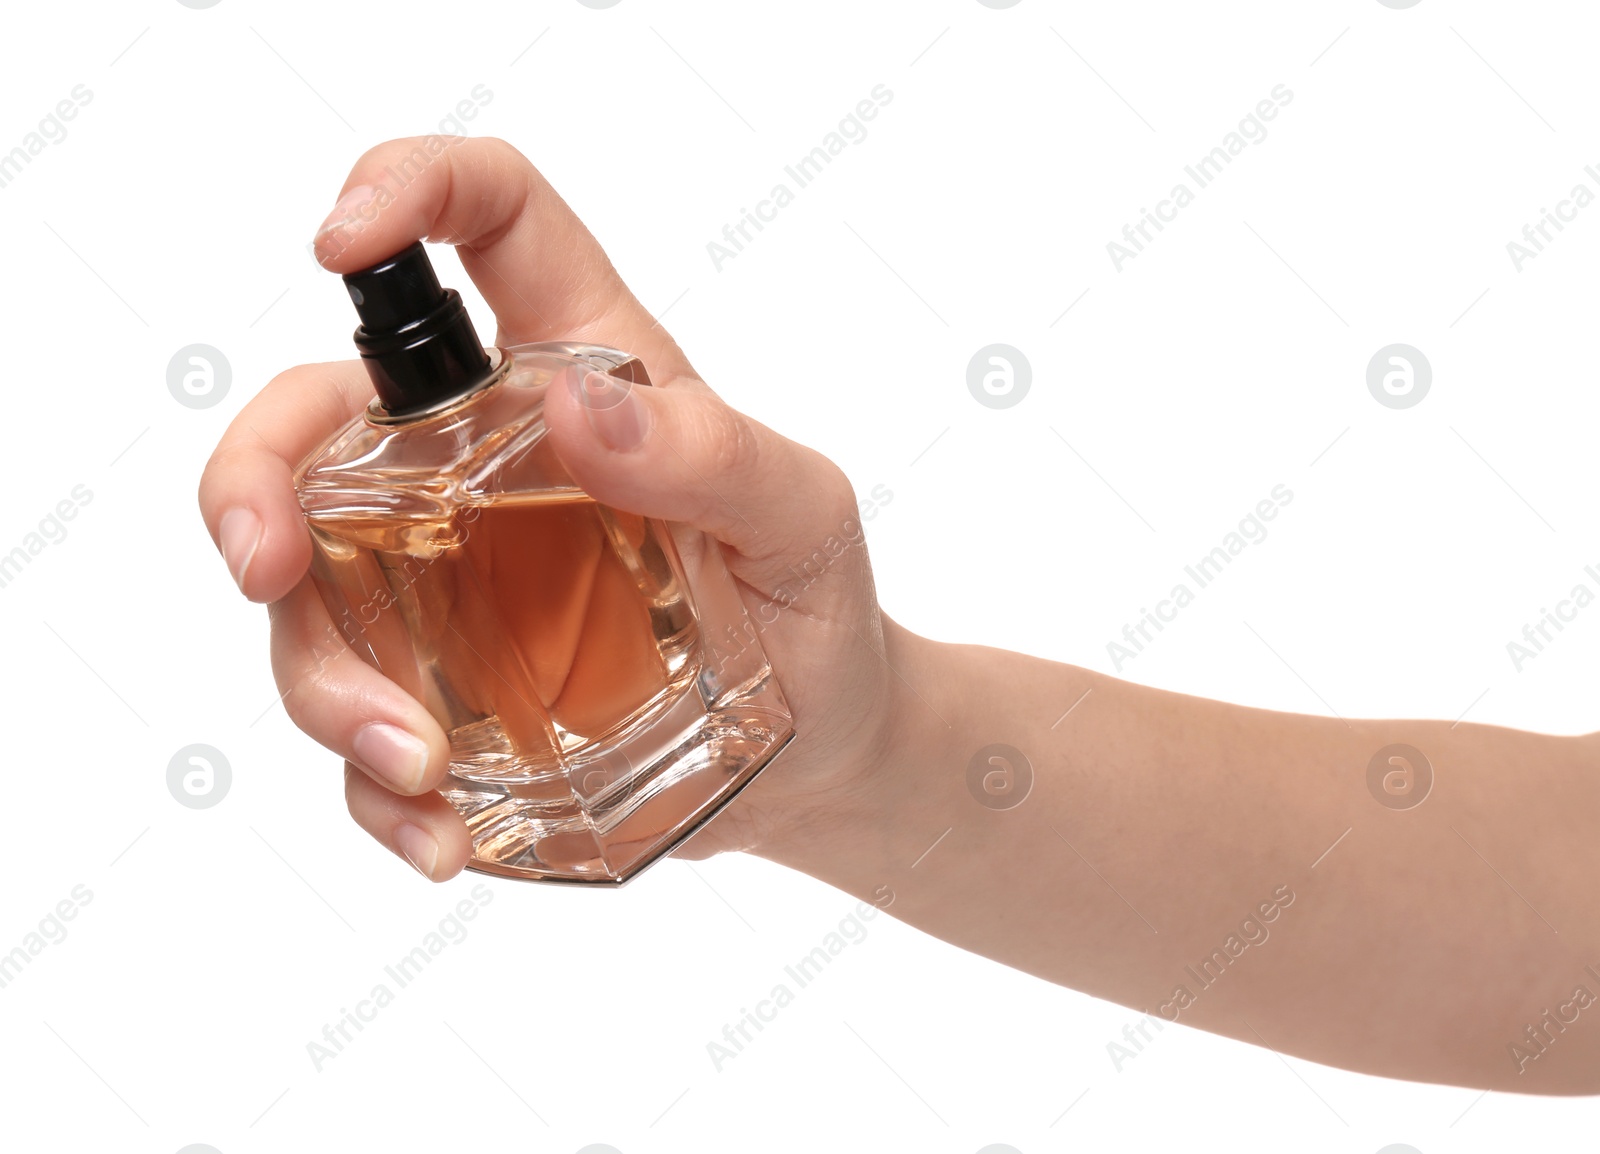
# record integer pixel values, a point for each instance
(542, 272)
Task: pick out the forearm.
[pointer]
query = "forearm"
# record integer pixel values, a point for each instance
(1230, 868)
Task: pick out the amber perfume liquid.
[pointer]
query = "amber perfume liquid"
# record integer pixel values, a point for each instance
(536, 623)
(603, 688)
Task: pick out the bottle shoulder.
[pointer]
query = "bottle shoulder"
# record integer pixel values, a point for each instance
(492, 442)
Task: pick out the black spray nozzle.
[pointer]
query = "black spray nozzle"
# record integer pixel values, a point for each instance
(416, 338)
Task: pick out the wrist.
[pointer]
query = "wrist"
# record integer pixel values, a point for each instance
(857, 831)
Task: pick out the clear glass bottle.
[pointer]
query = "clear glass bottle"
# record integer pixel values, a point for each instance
(603, 688)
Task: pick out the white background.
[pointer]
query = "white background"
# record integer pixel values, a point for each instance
(1228, 358)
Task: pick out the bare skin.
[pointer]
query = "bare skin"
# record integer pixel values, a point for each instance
(1167, 843)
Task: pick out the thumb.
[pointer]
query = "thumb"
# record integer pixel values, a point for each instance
(679, 453)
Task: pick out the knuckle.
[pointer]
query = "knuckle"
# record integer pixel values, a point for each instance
(836, 495)
(505, 148)
(286, 378)
(732, 447)
(382, 154)
(297, 703)
(223, 461)
(315, 683)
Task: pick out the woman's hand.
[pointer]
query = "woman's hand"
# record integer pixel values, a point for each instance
(674, 452)
(1148, 838)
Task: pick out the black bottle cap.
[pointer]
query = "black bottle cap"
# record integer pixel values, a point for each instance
(416, 338)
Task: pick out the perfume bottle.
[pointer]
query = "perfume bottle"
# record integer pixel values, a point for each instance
(603, 689)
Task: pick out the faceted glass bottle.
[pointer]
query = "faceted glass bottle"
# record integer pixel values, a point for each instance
(603, 689)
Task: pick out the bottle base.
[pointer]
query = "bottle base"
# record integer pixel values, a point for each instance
(609, 814)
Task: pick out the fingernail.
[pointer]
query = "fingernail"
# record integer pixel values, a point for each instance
(355, 210)
(418, 847)
(614, 410)
(393, 754)
(239, 533)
